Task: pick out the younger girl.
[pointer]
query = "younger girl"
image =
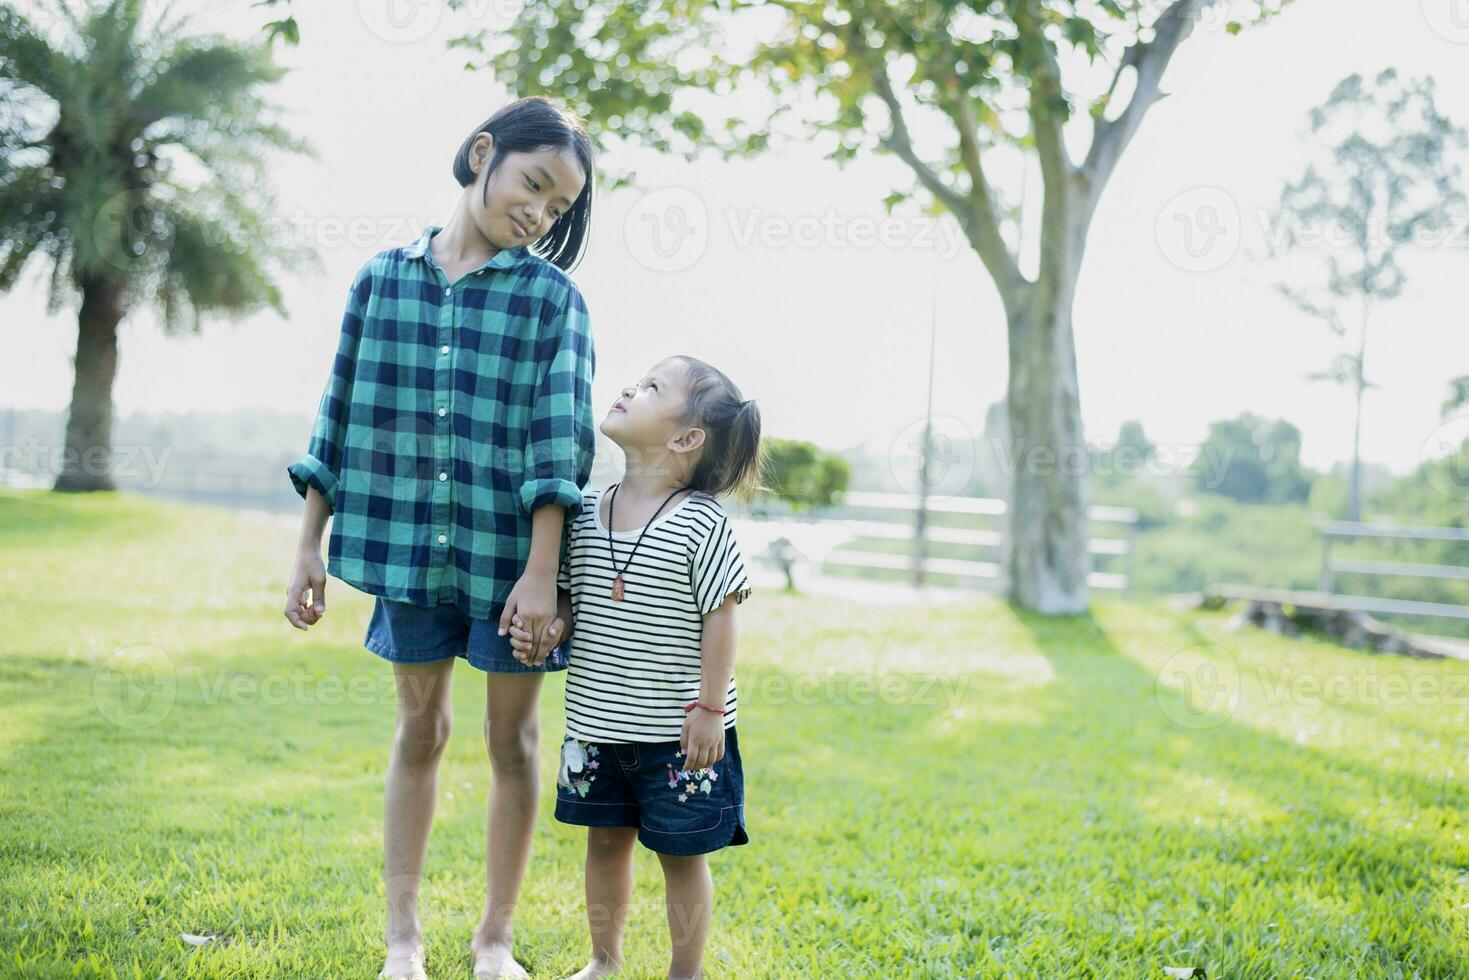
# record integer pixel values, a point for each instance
(651, 580)
(453, 440)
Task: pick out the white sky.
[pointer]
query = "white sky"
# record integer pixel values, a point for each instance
(832, 338)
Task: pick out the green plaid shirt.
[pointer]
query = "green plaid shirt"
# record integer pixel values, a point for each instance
(453, 411)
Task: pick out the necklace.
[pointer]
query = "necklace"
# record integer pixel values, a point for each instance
(617, 584)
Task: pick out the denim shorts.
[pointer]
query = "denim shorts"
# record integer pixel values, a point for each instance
(403, 633)
(640, 784)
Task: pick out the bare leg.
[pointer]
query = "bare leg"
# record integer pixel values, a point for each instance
(512, 734)
(690, 900)
(609, 891)
(424, 718)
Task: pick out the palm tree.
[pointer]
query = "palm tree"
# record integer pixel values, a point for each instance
(132, 159)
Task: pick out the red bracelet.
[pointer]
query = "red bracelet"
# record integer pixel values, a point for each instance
(690, 707)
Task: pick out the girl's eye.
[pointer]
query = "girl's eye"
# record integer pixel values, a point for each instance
(556, 212)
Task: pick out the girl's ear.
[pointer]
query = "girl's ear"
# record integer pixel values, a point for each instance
(479, 153)
(691, 439)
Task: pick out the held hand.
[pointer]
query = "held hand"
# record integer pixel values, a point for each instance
(306, 594)
(560, 630)
(534, 600)
(520, 640)
(702, 738)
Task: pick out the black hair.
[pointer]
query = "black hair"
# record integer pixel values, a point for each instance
(525, 126)
(733, 459)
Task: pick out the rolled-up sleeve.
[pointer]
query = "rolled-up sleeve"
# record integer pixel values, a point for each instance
(321, 466)
(560, 439)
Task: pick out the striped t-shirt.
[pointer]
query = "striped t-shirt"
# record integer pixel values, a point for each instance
(635, 664)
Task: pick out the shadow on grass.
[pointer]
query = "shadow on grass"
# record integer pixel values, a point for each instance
(1380, 898)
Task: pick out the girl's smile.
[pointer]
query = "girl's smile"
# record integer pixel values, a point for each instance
(532, 190)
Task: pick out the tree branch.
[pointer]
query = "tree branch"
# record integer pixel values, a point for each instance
(975, 212)
(983, 224)
(1305, 304)
(1047, 116)
(1149, 59)
(900, 142)
(1046, 96)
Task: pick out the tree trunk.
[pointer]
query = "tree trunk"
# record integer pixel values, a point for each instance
(1354, 491)
(1354, 486)
(1047, 561)
(87, 463)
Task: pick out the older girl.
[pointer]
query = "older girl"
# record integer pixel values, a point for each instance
(453, 441)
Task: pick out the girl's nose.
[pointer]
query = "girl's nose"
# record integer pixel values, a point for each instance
(628, 391)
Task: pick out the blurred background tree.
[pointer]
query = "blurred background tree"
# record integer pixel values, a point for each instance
(1387, 181)
(133, 160)
(1253, 460)
(804, 475)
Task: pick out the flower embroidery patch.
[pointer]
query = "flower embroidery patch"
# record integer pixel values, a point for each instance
(692, 781)
(576, 758)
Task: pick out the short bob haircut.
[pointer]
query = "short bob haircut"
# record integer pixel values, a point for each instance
(525, 126)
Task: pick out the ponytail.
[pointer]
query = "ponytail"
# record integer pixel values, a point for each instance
(733, 460)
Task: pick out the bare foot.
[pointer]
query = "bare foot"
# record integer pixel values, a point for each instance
(404, 962)
(596, 968)
(493, 961)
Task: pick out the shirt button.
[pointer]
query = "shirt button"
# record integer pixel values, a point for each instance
(442, 413)
(444, 349)
(443, 477)
(442, 539)
(448, 292)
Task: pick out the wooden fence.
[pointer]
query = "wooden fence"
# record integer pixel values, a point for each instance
(983, 568)
(1334, 531)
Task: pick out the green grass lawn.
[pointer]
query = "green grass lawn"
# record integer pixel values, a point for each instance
(931, 791)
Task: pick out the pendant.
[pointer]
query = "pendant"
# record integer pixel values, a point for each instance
(617, 588)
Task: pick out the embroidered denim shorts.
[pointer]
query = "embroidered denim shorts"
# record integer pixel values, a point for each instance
(403, 633)
(642, 785)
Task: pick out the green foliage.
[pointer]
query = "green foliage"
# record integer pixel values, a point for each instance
(1211, 538)
(804, 475)
(1437, 493)
(1329, 497)
(1122, 476)
(284, 28)
(1458, 396)
(1138, 490)
(629, 67)
(112, 118)
(1252, 460)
